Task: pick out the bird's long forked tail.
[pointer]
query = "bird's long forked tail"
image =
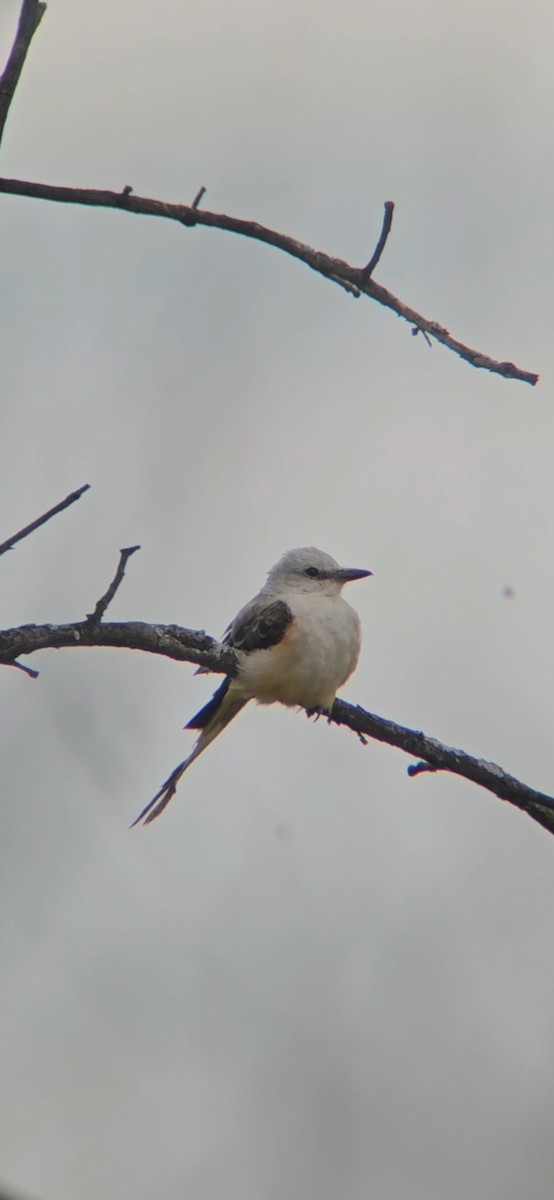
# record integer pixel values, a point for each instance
(211, 720)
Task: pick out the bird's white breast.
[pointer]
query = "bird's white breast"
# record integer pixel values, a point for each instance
(318, 653)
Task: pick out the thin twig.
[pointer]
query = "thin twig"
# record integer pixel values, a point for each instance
(387, 222)
(30, 671)
(23, 533)
(351, 288)
(416, 329)
(201, 192)
(335, 269)
(95, 617)
(420, 768)
(196, 646)
(32, 12)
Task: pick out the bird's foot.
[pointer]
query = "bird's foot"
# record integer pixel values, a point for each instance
(318, 712)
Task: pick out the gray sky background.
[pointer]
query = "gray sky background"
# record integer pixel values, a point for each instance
(314, 977)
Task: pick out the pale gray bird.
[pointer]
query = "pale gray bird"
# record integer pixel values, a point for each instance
(297, 641)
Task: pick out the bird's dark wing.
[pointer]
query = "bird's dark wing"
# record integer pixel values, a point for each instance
(259, 625)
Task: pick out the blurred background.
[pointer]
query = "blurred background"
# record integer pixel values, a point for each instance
(314, 977)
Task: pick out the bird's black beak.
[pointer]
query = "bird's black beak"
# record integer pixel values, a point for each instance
(349, 574)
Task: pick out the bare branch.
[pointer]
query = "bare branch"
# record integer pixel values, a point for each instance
(387, 222)
(23, 533)
(335, 269)
(196, 646)
(94, 618)
(32, 12)
(439, 757)
(170, 641)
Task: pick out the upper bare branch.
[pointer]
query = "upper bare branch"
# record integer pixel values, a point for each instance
(354, 279)
(32, 12)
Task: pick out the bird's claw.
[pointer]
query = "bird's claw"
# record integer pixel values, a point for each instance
(317, 712)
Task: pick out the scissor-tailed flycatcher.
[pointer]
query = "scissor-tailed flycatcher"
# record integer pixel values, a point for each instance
(297, 641)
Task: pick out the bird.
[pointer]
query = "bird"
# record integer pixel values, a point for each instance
(297, 642)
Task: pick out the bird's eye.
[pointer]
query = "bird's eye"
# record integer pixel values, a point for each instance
(312, 572)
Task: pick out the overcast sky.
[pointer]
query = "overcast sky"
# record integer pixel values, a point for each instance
(314, 977)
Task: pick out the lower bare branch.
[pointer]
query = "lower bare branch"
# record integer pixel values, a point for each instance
(196, 646)
(23, 533)
(354, 279)
(170, 641)
(31, 14)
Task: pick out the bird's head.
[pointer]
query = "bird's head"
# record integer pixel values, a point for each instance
(309, 570)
